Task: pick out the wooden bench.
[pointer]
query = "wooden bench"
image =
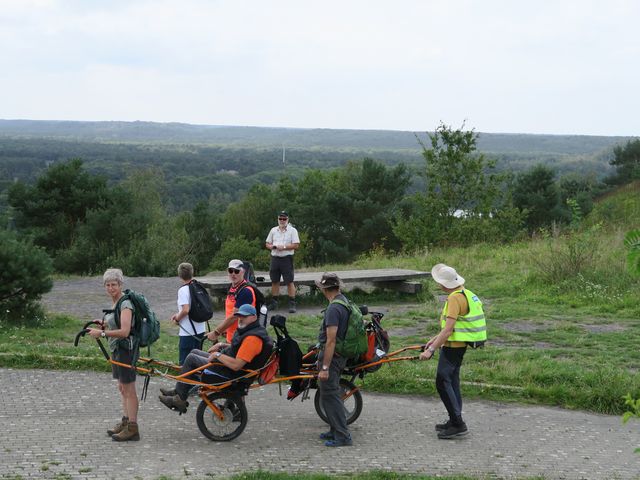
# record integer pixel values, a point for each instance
(401, 280)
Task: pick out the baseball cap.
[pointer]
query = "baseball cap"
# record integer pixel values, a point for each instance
(235, 263)
(246, 310)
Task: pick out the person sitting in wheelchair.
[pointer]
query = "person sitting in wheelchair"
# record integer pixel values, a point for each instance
(250, 349)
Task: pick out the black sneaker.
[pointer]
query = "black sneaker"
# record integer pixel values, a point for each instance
(443, 426)
(453, 431)
(292, 306)
(273, 305)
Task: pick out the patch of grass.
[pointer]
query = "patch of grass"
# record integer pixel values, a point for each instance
(374, 475)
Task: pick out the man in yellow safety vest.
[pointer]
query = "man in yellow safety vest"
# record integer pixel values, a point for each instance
(462, 324)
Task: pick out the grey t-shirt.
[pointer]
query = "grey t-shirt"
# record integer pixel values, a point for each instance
(334, 315)
(110, 318)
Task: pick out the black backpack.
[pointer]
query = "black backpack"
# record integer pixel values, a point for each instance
(200, 309)
(249, 273)
(288, 349)
(260, 300)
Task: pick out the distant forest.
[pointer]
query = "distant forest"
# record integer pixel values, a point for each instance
(219, 164)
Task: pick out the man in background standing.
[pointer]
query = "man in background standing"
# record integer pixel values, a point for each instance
(283, 241)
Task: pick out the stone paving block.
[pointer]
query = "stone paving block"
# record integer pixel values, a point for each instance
(55, 423)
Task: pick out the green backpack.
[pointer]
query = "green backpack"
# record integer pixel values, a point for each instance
(355, 341)
(146, 327)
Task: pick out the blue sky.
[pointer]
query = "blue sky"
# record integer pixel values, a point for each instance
(559, 67)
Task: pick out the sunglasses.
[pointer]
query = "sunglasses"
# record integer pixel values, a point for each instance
(283, 218)
(233, 270)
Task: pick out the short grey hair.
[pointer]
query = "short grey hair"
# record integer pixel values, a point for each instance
(185, 271)
(113, 275)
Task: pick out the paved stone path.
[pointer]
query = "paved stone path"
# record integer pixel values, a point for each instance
(54, 426)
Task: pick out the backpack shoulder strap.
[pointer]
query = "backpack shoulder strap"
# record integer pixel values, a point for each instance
(343, 303)
(116, 307)
(245, 285)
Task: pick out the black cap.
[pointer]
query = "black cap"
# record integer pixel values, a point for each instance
(283, 213)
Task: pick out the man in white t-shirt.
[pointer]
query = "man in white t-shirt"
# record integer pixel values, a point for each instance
(283, 241)
(191, 333)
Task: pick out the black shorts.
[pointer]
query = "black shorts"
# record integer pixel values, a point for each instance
(281, 267)
(124, 374)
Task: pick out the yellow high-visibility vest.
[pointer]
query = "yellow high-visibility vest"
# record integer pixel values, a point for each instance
(471, 327)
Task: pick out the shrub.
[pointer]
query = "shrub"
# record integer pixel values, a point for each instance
(25, 274)
(240, 247)
(566, 257)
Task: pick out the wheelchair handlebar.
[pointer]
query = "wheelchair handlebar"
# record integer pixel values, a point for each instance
(84, 331)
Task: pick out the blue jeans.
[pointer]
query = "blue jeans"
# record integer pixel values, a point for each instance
(188, 343)
(448, 381)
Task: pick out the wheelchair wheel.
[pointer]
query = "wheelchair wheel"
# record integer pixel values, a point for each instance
(234, 421)
(353, 404)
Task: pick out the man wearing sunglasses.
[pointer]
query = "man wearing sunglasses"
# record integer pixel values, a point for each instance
(283, 241)
(240, 293)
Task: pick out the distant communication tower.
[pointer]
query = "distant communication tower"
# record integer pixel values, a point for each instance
(284, 155)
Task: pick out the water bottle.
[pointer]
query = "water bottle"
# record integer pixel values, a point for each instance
(263, 316)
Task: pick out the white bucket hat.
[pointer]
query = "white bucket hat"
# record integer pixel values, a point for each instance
(446, 276)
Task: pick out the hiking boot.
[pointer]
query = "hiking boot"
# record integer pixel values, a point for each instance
(453, 431)
(292, 306)
(327, 436)
(443, 426)
(174, 403)
(273, 305)
(347, 442)
(129, 433)
(168, 392)
(119, 427)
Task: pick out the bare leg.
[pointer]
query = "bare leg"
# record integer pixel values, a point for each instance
(130, 400)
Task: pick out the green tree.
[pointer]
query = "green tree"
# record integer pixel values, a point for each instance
(133, 232)
(463, 194)
(203, 226)
(25, 274)
(349, 210)
(369, 192)
(240, 247)
(152, 242)
(581, 188)
(253, 215)
(536, 194)
(53, 208)
(627, 162)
